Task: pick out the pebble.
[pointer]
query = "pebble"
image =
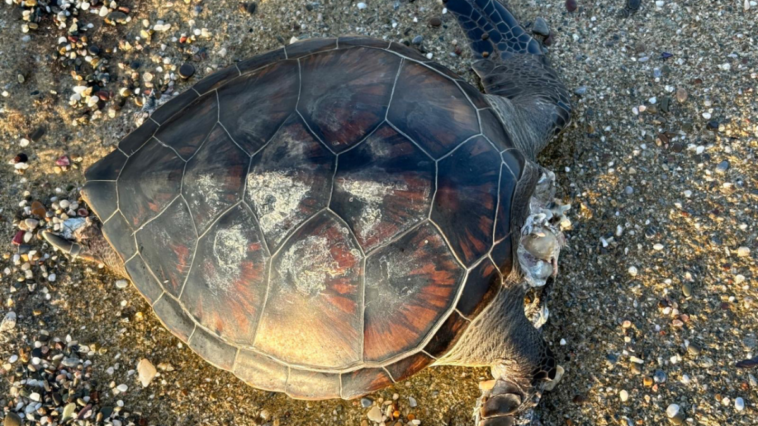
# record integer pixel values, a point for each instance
(417, 40)
(659, 376)
(186, 71)
(540, 27)
(571, 5)
(9, 322)
(743, 252)
(362, 5)
(412, 402)
(722, 167)
(672, 411)
(122, 388)
(739, 404)
(251, 7)
(12, 419)
(146, 372)
(375, 414)
(435, 22)
(366, 402)
(633, 271)
(580, 91)
(681, 95)
(624, 395)
(122, 284)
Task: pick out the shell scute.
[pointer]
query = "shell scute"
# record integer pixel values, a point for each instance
(383, 187)
(213, 349)
(316, 279)
(289, 180)
(119, 234)
(466, 198)
(187, 129)
(170, 312)
(143, 279)
(167, 245)
(226, 287)
(363, 381)
(431, 110)
(214, 178)
(410, 285)
(302, 384)
(343, 107)
(481, 286)
(150, 181)
(253, 108)
(260, 371)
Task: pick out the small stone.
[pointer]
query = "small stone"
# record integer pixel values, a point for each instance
(624, 395)
(362, 5)
(251, 7)
(146, 371)
(571, 5)
(38, 209)
(672, 410)
(63, 161)
(68, 412)
(412, 402)
(681, 95)
(659, 376)
(375, 414)
(12, 419)
(687, 289)
(435, 22)
(580, 91)
(633, 271)
(9, 322)
(122, 388)
(739, 404)
(540, 27)
(366, 402)
(417, 40)
(743, 252)
(122, 284)
(31, 224)
(186, 71)
(647, 381)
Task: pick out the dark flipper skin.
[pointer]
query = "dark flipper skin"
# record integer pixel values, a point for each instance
(512, 65)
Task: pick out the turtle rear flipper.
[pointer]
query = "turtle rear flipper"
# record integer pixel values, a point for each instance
(512, 65)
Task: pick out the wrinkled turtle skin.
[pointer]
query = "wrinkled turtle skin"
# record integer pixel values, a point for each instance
(331, 217)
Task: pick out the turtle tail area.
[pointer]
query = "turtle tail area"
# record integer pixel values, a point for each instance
(492, 30)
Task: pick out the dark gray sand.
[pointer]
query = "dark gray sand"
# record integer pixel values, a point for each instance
(656, 301)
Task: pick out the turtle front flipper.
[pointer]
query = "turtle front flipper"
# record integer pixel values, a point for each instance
(527, 94)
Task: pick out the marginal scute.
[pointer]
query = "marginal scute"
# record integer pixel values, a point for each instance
(407, 51)
(253, 108)
(493, 129)
(383, 187)
(345, 94)
(262, 60)
(362, 41)
(101, 196)
(431, 109)
(465, 202)
(149, 182)
(515, 162)
(216, 80)
(214, 178)
(167, 244)
(474, 95)
(119, 234)
(186, 131)
(260, 371)
(289, 180)
(309, 47)
(303, 384)
(173, 106)
(143, 279)
(505, 194)
(364, 381)
(406, 367)
(213, 349)
(170, 312)
(312, 314)
(107, 168)
(482, 285)
(447, 335)
(410, 285)
(134, 140)
(502, 254)
(226, 287)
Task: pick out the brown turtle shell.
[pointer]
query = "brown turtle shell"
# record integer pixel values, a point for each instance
(322, 220)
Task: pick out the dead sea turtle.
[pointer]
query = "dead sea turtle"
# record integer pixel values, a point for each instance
(334, 216)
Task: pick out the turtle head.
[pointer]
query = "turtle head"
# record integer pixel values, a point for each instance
(84, 239)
